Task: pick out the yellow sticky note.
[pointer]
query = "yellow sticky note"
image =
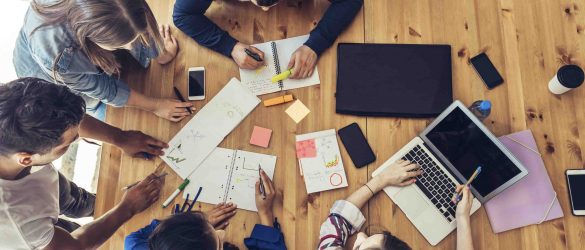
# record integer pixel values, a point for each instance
(297, 111)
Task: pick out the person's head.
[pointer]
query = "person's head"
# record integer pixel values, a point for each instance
(265, 4)
(382, 241)
(101, 26)
(38, 121)
(185, 231)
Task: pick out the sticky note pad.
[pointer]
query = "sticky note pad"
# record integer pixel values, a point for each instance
(261, 136)
(297, 111)
(306, 149)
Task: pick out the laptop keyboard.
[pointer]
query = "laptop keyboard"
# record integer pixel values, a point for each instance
(434, 182)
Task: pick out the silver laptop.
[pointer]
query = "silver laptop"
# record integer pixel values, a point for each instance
(449, 150)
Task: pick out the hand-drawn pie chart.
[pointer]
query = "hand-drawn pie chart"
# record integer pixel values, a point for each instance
(335, 179)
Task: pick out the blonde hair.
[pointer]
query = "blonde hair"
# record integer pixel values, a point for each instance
(113, 23)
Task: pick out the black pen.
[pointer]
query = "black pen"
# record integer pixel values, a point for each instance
(253, 55)
(178, 94)
(262, 188)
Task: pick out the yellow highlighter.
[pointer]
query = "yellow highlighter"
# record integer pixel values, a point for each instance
(282, 76)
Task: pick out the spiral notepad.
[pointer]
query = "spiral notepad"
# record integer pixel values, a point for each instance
(277, 55)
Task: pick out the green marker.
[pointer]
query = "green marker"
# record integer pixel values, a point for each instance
(282, 76)
(174, 195)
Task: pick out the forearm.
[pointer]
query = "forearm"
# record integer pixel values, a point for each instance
(141, 101)
(365, 192)
(464, 237)
(335, 20)
(266, 218)
(94, 234)
(95, 129)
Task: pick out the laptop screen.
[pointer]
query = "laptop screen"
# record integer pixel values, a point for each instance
(466, 146)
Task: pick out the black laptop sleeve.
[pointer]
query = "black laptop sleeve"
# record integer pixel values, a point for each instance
(397, 80)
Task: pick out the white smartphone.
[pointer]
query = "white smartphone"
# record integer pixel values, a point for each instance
(196, 76)
(576, 185)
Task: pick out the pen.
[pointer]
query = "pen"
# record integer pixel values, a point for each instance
(282, 76)
(457, 195)
(146, 155)
(136, 183)
(178, 94)
(174, 194)
(253, 55)
(262, 188)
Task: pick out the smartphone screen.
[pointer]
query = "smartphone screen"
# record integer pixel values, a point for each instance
(196, 83)
(357, 146)
(577, 190)
(487, 71)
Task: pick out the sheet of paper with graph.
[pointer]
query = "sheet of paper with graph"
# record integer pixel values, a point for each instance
(277, 54)
(209, 127)
(320, 161)
(229, 175)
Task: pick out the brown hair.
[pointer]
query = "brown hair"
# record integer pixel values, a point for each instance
(108, 22)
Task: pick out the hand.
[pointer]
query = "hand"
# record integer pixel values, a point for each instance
(401, 173)
(303, 62)
(220, 215)
(172, 109)
(264, 205)
(170, 45)
(464, 205)
(135, 143)
(245, 61)
(143, 195)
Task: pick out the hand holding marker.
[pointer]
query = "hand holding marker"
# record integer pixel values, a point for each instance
(458, 195)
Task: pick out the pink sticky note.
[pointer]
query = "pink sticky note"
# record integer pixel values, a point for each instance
(261, 136)
(306, 149)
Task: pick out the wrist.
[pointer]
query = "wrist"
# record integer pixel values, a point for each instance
(462, 220)
(266, 218)
(124, 210)
(118, 137)
(375, 185)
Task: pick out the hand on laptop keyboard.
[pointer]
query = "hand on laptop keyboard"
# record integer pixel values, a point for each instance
(401, 173)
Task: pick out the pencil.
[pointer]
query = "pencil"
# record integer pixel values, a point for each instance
(262, 188)
(136, 183)
(457, 195)
(178, 94)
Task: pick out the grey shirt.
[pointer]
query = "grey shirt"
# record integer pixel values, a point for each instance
(55, 48)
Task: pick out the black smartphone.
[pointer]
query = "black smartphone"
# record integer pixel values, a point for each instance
(486, 70)
(356, 145)
(576, 186)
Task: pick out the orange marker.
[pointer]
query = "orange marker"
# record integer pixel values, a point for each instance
(278, 100)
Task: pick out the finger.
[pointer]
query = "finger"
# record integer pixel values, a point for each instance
(183, 105)
(291, 63)
(167, 31)
(174, 40)
(226, 216)
(459, 188)
(223, 225)
(160, 30)
(414, 174)
(297, 68)
(153, 151)
(407, 182)
(465, 195)
(258, 188)
(411, 167)
(181, 113)
(311, 72)
(176, 119)
(154, 199)
(268, 188)
(257, 51)
(156, 143)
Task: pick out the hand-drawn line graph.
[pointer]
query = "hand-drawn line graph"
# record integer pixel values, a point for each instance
(176, 159)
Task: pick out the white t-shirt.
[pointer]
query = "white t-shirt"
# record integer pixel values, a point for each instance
(29, 208)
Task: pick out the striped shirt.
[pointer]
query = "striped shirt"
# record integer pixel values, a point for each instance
(344, 220)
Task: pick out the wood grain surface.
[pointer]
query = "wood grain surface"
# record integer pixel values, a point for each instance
(527, 40)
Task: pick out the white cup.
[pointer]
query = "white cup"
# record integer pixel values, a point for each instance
(567, 77)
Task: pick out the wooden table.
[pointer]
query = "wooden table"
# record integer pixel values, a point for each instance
(528, 40)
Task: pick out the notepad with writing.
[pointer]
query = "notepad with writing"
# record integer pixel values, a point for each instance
(532, 199)
(320, 161)
(277, 55)
(229, 175)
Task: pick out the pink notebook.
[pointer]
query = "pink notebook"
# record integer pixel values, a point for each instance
(518, 206)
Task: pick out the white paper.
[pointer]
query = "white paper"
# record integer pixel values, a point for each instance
(230, 176)
(259, 81)
(209, 127)
(324, 171)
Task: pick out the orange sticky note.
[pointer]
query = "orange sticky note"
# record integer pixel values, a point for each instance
(260, 136)
(297, 111)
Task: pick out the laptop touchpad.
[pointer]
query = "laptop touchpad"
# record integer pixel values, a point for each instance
(411, 202)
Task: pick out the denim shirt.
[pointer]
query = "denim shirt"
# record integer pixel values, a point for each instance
(37, 53)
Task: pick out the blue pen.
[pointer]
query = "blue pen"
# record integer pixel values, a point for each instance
(146, 155)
